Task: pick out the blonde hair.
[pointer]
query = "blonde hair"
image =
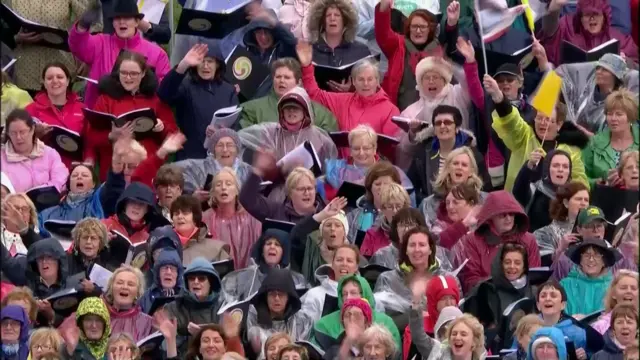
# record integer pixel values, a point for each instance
(46, 335)
(379, 333)
(232, 173)
(442, 184)
(87, 226)
(527, 324)
(33, 214)
(108, 295)
(363, 131)
(609, 301)
(624, 100)
(135, 351)
(294, 177)
(22, 293)
(625, 157)
(394, 192)
(477, 329)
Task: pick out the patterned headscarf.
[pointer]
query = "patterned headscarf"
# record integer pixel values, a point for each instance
(94, 306)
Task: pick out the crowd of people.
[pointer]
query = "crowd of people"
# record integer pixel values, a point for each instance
(421, 207)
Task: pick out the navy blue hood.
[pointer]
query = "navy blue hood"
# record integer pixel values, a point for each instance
(249, 38)
(50, 247)
(283, 239)
(168, 257)
(141, 193)
(200, 265)
(163, 237)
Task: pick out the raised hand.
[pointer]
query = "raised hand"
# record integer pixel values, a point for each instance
(535, 157)
(465, 48)
(556, 5)
(453, 13)
(168, 327)
(193, 329)
(124, 132)
(230, 325)
(386, 5)
(263, 162)
(419, 286)
(613, 178)
(344, 86)
(305, 52)
(12, 218)
(567, 240)
(540, 54)
(332, 209)
(194, 57)
(491, 87)
(90, 16)
(71, 336)
(171, 144)
(471, 219)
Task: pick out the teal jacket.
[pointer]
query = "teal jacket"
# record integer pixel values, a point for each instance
(599, 157)
(585, 294)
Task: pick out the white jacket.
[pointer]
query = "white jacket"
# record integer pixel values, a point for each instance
(313, 300)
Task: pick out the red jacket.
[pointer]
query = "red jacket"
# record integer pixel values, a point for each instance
(394, 48)
(374, 239)
(480, 254)
(634, 20)
(113, 223)
(100, 149)
(70, 117)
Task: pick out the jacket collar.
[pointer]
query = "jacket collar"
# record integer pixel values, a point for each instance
(127, 43)
(603, 139)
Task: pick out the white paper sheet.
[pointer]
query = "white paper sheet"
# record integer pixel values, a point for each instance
(152, 9)
(100, 276)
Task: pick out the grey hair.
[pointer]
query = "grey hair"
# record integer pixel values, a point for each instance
(363, 64)
(379, 333)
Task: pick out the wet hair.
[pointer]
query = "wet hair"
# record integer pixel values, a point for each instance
(405, 217)
(403, 258)
(187, 203)
(289, 63)
(19, 115)
(225, 170)
(518, 248)
(557, 209)
(552, 284)
(378, 170)
(61, 66)
(169, 174)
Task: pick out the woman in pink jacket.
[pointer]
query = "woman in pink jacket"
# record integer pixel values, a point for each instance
(26, 160)
(369, 104)
(57, 104)
(101, 50)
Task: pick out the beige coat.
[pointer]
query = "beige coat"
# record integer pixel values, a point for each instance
(32, 59)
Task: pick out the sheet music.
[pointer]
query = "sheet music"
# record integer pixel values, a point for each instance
(152, 9)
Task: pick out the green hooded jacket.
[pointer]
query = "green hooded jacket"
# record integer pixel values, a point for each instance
(331, 325)
(265, 109)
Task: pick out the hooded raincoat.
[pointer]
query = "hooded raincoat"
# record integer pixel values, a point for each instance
(482, 246)
(521, 139)
(555, 335)
(536, 203)
(488, 300)
(585, 103)
(155, 290)
(195, 171)
(548, 237)
(281, 139)
(569, 28)
(313, 300)
(331, 325)
(243, 283)
(188, 308)
(195, 101)
(585, 293)
(120, 222)
(92, 349)
(284, 45)
(17, 313)
(261, 323)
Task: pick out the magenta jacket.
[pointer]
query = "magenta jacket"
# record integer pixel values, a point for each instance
(374, 239)
(100, 51)
(570, 29)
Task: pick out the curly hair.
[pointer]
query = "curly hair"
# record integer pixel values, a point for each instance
(317, 13)
(88, 226)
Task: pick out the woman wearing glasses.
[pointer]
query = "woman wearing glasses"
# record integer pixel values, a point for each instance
(131, 86)
(26, 160)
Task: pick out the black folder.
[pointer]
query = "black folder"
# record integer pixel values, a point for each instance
(245, 70)
(574, 54)
(352, 192)
(44, 196)
(144, 120)
(324, 73)
(54, 38)
(211, 24)
(66, 142)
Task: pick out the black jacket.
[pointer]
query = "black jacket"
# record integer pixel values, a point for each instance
(281, 280)
(426, 163)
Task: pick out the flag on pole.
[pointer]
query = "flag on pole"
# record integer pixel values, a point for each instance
(495, 17)
(546, 96)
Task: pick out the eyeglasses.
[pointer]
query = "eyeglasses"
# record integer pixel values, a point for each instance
(43, 347)
(304, 189)
(439, 123)
(200, 278)
(594, 226)
(421, 28)
(394, 207)
(130, 74)
(432, 78)
(591, 256)
(222, 146)
(21, 133)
